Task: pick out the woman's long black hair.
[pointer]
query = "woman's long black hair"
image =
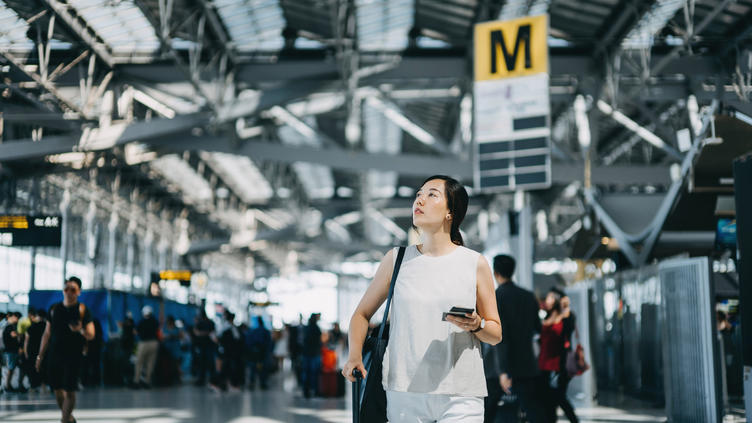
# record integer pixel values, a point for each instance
(457, 200)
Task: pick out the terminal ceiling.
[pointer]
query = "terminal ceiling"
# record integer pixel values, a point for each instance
(267, 126)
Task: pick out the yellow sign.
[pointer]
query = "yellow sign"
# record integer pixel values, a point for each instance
(175, 275)
(14, 222)
(513, 48)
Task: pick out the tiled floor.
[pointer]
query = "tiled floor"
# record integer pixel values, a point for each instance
(187, 404)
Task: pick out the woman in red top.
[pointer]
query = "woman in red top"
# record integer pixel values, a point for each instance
(553, 340)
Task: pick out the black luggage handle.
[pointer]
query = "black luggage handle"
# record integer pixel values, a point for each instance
(356, 395)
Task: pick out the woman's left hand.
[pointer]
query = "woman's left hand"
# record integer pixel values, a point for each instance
(469, 323)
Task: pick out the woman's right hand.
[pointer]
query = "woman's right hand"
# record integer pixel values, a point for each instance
(351, 366)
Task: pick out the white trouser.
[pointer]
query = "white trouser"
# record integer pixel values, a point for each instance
(408, 407)
(146, 358)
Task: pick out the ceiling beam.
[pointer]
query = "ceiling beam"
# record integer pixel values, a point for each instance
(404, 164)
(47, 85)
(623, 18)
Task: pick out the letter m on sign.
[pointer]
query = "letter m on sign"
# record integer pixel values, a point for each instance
(508, 49)
(510, 60)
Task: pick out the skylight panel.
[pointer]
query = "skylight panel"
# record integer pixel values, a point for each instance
(381, 135)
(120, 24)
(253, 24)
(242, 175)
(384, 25)
(518, 8)
(317, 179)
(642, 35)
(13, 32)
(176, 171)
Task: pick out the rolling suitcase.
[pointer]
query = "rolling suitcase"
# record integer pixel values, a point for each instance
(328, 384)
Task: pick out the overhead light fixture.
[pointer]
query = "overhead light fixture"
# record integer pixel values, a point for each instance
(569, 232)
(294, 122)
(582, 121)
(742, 117)
(693, 109)
(76, 160)
(153, 104)
(684, 140)
(633, 126)
(466, 118)
(138, 153)
(245, 132)
(398, 118)
(712, 140)
(541, 225)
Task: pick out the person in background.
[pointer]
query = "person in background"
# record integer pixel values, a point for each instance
(511, 366)
(569, 323)
(281, 338)
(32, 342)
(127, 347)
(186, 348)
(171, 339)
(231, 345)
(311, 356)
(70, 325)
(552, 341)
(205, 345)
(12, 343)
(148, 347)
(295, 345)
(259, 346)
(3, 324)
(23, 325)
(92, 365)
(338, 343)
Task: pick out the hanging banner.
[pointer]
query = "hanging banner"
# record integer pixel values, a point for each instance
(512, 123)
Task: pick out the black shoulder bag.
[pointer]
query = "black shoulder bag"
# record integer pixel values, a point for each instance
(372, 394)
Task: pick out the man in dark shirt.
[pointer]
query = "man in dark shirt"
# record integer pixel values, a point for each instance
(311, 356)
(69, 327)
(12, 345)
(205, 345)
(148, 346)
(259, 344)
(31, 344)
(511, 366)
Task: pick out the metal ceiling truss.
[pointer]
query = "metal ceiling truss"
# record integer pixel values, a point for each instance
(649, 235)
(201, 55)
(194, 30)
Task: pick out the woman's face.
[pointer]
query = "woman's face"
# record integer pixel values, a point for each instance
(550, 301)
(564, 302)
(430, 205)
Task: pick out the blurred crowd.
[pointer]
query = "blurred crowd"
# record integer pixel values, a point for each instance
(155, 350)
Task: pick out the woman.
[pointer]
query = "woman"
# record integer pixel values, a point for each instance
(554, 339)
(433, 369)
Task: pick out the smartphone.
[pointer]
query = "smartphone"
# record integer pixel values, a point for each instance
(456, 311)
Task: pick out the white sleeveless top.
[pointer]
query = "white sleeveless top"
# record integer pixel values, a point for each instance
(425, 354)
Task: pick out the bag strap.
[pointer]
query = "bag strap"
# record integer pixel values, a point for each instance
(395, 272)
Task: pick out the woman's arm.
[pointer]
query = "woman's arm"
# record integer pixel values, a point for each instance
(43, 344)
(375, 295)
(486, 308)
(486, 305)
(26, 347)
